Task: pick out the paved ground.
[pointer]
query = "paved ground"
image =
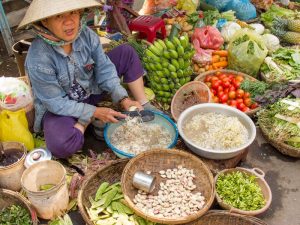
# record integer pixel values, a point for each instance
(282, 173)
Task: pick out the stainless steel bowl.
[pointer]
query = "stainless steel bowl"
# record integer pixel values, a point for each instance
(222, 109)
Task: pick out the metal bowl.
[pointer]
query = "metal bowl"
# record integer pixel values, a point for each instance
(159, 118)
(222, 109)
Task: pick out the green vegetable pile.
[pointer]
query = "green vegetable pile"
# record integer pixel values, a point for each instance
(15, 215)
(283, 65)
(66, 220)
(240, 190)
(282, 121)
(255, 88)
(277, 11)
(108, 208)
(168, 64)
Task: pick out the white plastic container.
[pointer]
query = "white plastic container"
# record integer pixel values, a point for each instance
(49, 203)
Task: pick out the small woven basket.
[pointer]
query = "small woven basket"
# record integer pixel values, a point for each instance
(8, 198)
(280, 146)
(160, 159)
(202, 76)
(29, 109)
(192, 93)
(110, 173)
(218, 217)
(259, 178)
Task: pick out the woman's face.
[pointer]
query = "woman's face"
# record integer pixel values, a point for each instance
(64, 26)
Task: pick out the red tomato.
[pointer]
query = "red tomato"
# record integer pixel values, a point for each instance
(247, 95)
(220, 94)
(214, 78)
(216, 99)
(247, 102)
(232, 88)
(240, 93)
(208, 78)
(208, 84)
(233, 103)
(226, 90)
(215, 84)
(240, 105)
(221, 76)
(231, 76)
(236, 84)
(232, 95)
(240, 100)
(220, 88)
(226, 84)
(225, 79)
(254, 105)
(245, 109)
(213, 91)
(239, 78)
(224, 98)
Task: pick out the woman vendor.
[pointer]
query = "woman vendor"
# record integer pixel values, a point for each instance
(69, 73)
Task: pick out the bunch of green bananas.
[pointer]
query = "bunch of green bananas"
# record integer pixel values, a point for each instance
(168, 64)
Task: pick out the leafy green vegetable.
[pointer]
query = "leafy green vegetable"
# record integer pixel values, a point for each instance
(241, 40)
(240, 190)
(277, 11)
(66, 220)
(280, 129)
(255, 88)
(15, 215)
(212, 16)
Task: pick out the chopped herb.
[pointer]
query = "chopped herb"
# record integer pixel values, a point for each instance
(15, 215)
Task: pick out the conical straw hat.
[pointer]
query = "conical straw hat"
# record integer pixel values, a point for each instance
(42, 9)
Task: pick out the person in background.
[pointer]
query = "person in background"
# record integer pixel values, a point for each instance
(69, 73)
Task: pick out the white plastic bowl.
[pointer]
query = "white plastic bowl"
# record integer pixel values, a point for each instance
(222, 109)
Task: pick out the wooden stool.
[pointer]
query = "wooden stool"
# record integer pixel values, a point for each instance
(148, 25)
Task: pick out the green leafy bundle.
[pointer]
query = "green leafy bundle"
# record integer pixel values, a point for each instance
(240, 190)
(15, 215)
(255, 88)
(279, 128)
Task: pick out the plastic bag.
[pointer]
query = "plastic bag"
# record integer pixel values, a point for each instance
(154, 6)
(229, 30)
(244, 10)
(14, 93)
(209, 37)
(202, 55)
(189, 6)
(219, 4)
(246, 52)
(14, 127)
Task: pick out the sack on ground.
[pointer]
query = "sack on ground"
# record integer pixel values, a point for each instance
(14, 127)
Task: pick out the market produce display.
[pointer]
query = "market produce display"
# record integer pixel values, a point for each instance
(219, 60)
(108, 207)
(281, 121)
(240, 190)
(134, 136)
(215, 131)
(282, 65)
(168, 64)
(225, 88)
(175, 196)
(16, 215)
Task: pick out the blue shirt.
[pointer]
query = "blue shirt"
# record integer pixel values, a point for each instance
(52, 73)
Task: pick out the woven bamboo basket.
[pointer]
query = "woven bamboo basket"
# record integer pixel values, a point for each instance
(218, 217)
(8, 198)
(29, 109)
(202, 76)
(266, 191)
(280, 146)
(160, 159)
(192, 93)
(110, 173)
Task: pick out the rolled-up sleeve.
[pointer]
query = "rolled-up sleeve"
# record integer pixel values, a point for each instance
(105, 71)
(47, 89)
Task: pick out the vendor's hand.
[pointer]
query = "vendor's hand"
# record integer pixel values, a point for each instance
(108, 115)
(127, 103)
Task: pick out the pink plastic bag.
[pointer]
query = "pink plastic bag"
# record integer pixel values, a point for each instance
(208, 37)
(203, 56)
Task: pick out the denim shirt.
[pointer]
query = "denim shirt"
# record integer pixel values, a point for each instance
(52, 72)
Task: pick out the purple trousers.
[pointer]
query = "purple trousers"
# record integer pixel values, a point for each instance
(61, 137)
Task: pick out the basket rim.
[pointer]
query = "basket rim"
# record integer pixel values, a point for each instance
(29, 207)
(240, 211)
(82, 209)
(181, 88)
(291, 151)
(20, 160)
(162, 220)
(129, 155)
(251, 112)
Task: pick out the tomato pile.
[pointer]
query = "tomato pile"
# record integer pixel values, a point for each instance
(225, 89)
